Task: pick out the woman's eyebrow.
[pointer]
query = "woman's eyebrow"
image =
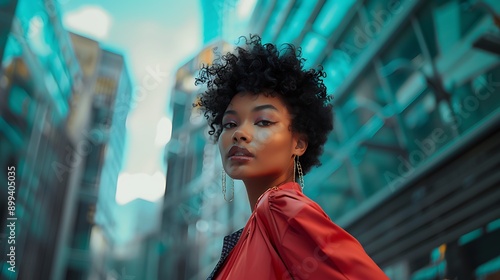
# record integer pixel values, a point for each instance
(229, 112)
(257, 108)
(263, 107)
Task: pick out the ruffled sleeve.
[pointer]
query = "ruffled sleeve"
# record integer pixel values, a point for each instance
(309, 243)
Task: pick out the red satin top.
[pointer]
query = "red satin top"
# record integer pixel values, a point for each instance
(289, 236)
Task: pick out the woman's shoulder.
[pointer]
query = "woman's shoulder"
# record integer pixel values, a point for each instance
(287, 200)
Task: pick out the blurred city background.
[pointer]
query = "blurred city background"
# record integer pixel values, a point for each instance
(107, 171)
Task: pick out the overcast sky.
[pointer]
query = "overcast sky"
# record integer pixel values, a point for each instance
(155, 37)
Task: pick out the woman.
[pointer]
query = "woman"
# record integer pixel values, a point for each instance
(271, 119)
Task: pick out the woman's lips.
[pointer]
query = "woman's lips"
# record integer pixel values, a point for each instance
(239, 154)
(240, 159)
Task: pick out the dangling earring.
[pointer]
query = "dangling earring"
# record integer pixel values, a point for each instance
(294, 169)
(224, 187)
(299, 170)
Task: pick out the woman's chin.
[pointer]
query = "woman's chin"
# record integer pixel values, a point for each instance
(236, 176)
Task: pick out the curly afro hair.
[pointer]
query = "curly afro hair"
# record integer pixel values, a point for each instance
(265, 69)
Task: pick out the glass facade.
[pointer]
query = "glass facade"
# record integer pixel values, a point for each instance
(34, 140)
(407, 92)
(51, 133)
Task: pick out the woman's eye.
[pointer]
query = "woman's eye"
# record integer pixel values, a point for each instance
(264, 123)
(228, 125)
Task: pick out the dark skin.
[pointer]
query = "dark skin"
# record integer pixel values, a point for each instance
(257, 127)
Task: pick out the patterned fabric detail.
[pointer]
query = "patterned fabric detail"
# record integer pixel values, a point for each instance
(228, 245)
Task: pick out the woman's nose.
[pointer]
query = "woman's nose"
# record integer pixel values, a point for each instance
(241, 134)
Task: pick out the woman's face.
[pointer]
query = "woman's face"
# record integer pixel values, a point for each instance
(256, 142)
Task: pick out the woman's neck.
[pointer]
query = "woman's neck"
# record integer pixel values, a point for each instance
(255, 188)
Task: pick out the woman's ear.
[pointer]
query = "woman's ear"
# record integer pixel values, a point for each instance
(301, 146)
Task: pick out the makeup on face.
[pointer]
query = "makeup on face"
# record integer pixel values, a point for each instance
(256, 139)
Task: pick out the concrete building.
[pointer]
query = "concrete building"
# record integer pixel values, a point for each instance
(63, 106)
(39, 75)
(100, 115)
